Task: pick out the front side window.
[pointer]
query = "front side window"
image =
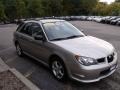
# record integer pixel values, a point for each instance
(61, 30)
(36, 29)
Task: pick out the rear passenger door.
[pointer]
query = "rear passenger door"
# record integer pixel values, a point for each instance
(25, 37)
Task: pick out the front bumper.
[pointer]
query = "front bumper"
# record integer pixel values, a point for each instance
(78, 77)
(88, 74)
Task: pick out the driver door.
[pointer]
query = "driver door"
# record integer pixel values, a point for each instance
(39, 47)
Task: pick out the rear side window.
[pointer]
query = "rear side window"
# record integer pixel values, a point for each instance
(26, 29)
(31, 29)
(20, 26)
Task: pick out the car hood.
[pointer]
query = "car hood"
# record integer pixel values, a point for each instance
(86, 46)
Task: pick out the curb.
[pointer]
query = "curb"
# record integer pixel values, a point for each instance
(24, 80)
(28, 83)
(3, 66)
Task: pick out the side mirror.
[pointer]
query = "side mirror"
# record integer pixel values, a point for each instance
(38, 37)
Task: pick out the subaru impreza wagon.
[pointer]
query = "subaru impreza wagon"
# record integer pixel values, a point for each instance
(66, 50)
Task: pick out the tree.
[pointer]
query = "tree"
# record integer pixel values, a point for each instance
(117, 1)
(52, 7)
(10, 9)
(35, 8)
(100, 9)
(14, 9)
(70, 7)
(20, 9)
(86, 6)
(78, 7)
(2, 13)
(114, 9)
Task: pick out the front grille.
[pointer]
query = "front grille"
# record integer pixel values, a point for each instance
(101, 60)
(110, 58)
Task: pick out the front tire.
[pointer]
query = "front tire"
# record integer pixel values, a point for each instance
(58, 69)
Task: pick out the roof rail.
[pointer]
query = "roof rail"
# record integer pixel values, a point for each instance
(36, 19)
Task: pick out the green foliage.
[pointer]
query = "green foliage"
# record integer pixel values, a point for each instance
(100, 9)
(70, 7)
(86, 6)
(2, 14)
(114, 9)
(52, 7)
(34, 8)
(10, 9)
(105, 9)
(20, 9)
(16, 9)
(78, 7)
(117, 1)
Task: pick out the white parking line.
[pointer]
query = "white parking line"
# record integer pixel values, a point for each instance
(1, 30)
(27, 82)
(11, 59)
(29, 72)
(6, 49)
(6, 30)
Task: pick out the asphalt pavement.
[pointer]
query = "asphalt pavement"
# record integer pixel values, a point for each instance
(41, 76)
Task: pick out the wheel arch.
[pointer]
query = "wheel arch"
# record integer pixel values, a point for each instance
(16, 42)
(54, 56)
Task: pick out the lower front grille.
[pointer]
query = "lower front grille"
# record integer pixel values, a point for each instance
(105, 72)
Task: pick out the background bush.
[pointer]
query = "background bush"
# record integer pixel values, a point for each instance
(17, 9)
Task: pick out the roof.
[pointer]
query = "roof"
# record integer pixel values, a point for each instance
(43, 20)
(50, 20)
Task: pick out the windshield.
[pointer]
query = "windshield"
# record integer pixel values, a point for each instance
(61, 30)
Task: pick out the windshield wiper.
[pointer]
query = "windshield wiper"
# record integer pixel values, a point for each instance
(70, 37)
(56, 39)
(74, 36)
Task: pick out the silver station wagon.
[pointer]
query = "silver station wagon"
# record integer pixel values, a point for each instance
(66, 50)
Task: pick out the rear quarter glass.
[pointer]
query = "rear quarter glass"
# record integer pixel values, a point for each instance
(20, 26)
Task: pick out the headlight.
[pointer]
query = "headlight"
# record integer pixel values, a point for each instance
(86, 61)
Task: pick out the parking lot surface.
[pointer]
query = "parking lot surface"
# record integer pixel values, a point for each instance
(41, 76)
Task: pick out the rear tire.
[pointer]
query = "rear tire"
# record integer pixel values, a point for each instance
(19, 50)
